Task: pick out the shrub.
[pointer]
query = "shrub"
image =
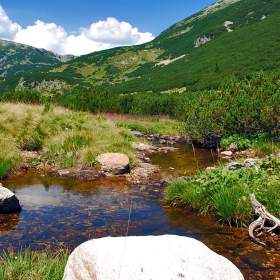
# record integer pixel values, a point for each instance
(242, 108)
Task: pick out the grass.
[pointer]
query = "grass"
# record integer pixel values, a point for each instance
(147, 124)
(225, 193)
(66, 138)
(26, 264)
(261, 143)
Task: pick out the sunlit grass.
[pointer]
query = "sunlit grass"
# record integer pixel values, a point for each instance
(147, 124)
(27, 265)
(225, 193)
(67, 138)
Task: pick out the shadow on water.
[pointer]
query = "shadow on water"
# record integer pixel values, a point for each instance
(65, 212)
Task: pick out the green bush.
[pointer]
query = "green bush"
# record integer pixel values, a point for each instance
(241, 142)
(242, 108)
(24, 96)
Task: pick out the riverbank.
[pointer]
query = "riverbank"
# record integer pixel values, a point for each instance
(57, 138)
(96, 219)
(224, 190)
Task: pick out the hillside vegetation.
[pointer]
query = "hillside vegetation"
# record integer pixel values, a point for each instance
(198, 53)
(246, 107)
(18, 58)
(216, 71)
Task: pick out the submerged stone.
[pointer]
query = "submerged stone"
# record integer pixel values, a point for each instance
(256, 259)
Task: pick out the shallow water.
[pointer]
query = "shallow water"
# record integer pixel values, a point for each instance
(184, 162)
(65, 212)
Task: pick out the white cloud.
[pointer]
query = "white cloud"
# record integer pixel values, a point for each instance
(8, 29)
(99, 36)
(79, 45)
(48, 36)
(114, 32)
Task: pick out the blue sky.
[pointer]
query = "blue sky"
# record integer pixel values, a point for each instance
(80, 27)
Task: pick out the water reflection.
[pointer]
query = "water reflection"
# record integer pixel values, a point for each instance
(66, 212)
(184, 162)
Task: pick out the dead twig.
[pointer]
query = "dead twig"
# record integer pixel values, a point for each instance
(258, 225)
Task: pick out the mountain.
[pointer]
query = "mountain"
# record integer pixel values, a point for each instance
(230, 37)
(19, 58)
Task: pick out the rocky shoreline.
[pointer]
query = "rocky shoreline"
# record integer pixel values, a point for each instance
(143, 170)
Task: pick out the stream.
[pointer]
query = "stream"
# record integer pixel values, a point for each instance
(59, 212)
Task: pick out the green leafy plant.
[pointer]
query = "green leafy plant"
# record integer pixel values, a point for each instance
(225, 193)
(239, 142)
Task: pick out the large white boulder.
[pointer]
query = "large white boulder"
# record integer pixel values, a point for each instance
(166, 257)
(8, 201)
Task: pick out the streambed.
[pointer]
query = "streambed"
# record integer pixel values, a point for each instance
(61, 212)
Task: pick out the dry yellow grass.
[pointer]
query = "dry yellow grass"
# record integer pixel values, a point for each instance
(68, 137)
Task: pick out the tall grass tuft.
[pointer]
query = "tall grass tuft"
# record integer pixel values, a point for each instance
(65, 138)
(225, 193)
(26, 264)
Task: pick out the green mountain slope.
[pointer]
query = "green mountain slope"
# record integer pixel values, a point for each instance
(228, 38)
(19, 58)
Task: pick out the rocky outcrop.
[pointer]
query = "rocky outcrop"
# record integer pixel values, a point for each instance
(147, 257)
(8, 201)
(114, 163)
(201, 40)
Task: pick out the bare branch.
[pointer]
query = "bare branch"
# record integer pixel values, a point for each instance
(258, 225)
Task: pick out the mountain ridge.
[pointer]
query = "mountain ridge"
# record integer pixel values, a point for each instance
(17, 58)
(196, 53)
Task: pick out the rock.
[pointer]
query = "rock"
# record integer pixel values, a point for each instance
(257, 259)
(233, 147)
(153, 148)
(166, 181)
(227, 153)
(143, 147)
(183, 178)
(63, 171)
(234, 165)
(209, 169)
(114, 163)
(201, 40)
(168, 149)
(137, 133)
(143, 175)
(250, 161)
(8, 201)
(87, 175)
(148, 257)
